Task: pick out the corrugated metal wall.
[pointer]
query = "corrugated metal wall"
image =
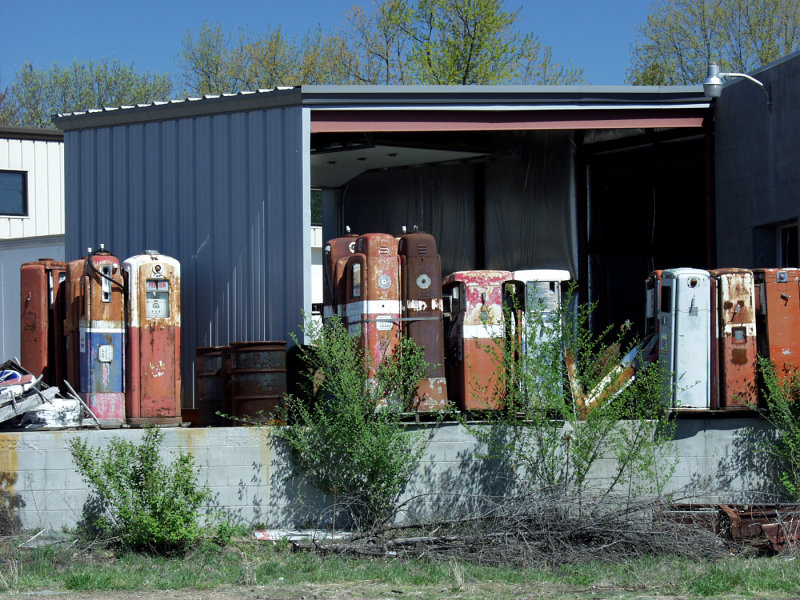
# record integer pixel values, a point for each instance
(44, 163)
(226, 194)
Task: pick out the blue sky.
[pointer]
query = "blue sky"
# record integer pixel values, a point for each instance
(594, 34)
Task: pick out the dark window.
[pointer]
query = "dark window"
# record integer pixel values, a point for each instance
(13, 193)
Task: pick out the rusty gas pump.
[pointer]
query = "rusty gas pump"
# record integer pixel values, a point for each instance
(372, 311)
(421, 276)
(334, 291)
(101, 338)
(153, 390)
(475, 335)
(41, 328)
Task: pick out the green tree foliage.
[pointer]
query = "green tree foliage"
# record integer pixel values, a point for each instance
(150, 505)
(213, 62)
(347, 434)
(379, 41)
(37, 94)
(398, 42)
(680, 38)
(466, 42)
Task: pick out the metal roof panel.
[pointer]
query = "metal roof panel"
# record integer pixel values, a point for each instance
(524, 97)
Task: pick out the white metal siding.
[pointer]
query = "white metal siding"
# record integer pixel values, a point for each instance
(225, 194)
(43, 161)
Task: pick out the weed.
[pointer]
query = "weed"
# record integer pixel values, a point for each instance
(148, 504)
(350, 440)
(782, 395)
(568, 402)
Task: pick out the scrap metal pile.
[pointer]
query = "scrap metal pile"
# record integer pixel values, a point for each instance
(29, 403)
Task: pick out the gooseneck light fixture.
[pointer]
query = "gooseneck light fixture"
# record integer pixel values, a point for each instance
(712, 84)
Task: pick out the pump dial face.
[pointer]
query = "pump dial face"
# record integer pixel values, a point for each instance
(384, 281)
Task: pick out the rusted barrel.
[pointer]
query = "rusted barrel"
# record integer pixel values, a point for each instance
(208, 385)
(227, 367)
(258, 378)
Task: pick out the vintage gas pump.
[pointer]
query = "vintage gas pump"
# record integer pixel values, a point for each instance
(736, 338)
(372, 310)
(778, 317)
(101, 338)
(72, 308)
(685, 335)
(41, 332)
(475, 334)
(652, 315)
(542, 293)
(421, 276)
(154, 339)
(535, 290)
(334, 287)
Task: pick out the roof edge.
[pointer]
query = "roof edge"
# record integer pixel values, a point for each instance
(31, 133)
(494, 94)
(178, 109)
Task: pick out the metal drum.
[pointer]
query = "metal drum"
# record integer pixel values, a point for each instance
(258, 378)
(208, 385)
(227, 367)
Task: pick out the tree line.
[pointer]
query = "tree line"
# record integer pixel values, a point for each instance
(401, 42)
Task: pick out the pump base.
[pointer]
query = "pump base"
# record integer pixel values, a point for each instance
(155, 421)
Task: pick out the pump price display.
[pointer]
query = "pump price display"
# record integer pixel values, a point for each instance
(156, 299)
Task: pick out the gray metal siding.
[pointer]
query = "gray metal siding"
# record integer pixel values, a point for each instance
(225, 194)
(755, 159)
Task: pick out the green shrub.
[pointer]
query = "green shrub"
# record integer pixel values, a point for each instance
(346, 434)
(150, 505)
(782, 396)
(567, 403)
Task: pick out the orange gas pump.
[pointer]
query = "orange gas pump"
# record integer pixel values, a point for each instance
(778, 318)
(72, 307)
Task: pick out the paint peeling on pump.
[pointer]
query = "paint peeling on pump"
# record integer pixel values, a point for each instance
(158, 369)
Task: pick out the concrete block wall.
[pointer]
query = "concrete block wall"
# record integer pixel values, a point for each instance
(252, 478)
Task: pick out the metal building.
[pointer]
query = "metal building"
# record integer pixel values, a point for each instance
(756, 176)
(583, 178)
(31, 215)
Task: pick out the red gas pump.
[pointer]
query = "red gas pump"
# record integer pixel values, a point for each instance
(736, 338)
(154, 339)
(421, 275)
(475, 334)
(41, 330)
(334, 287)
(372, 310)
